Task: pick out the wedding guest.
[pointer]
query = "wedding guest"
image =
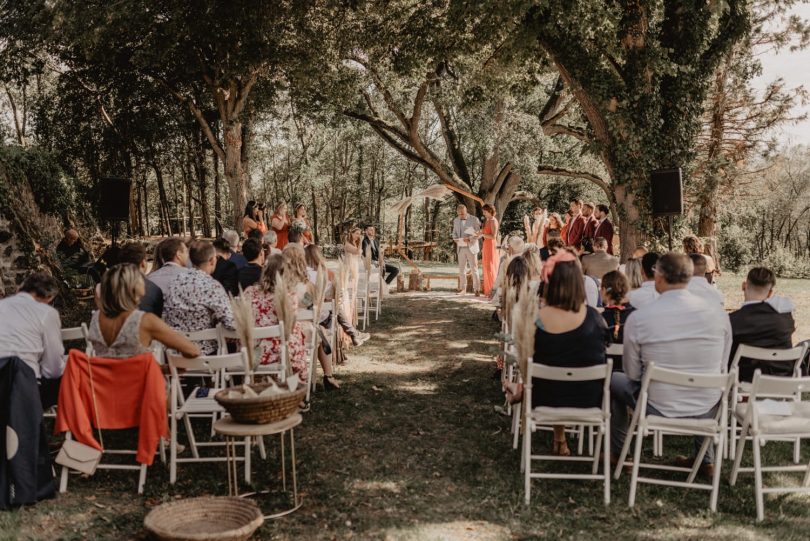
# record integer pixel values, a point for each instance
(173, 252)
(764, 320)
(614, 290)
(226, 272)
(370, 243)
(280, 222)
(270, 244)
(119, 330)
(552, 229)
(31, 330)
(489, 254)
(134, 253)
(196, 301)
(553, 245)
(261, 225)
(679, 331)
(693, 245)
(314, 259)
(296, 236)
(576, 224)
(632, 270)
(71, 254)
(465, 229)
(233, 240)
(699, 285)
(599, 262)
(250, 218)
(647, 293)
(262, 298)
(535, 227)
(569, 334)
(352, 255)
(589, 228)
(603, 228)
(250, 273)
(300, 216)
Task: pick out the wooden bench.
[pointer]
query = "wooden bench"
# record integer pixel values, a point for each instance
(427, 277)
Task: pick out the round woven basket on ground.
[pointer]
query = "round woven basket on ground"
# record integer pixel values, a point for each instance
(204, 519)
(261, 409)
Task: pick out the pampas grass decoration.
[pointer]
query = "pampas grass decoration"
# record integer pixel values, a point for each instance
(509, 298)
(244, 320)
(282, 299)
(319, 291)
(524, 315)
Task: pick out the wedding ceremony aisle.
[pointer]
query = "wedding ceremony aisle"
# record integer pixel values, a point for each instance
(411, 448)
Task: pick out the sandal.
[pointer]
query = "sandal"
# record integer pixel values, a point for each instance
(560, 448)
(330, 383)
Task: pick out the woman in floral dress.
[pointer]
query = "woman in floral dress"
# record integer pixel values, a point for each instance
(262, 298)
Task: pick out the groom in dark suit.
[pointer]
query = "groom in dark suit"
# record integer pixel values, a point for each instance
(370, 242)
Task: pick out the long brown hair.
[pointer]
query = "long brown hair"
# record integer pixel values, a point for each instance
(295, 263)
(565, 288)
(273, 266)
(349, 238)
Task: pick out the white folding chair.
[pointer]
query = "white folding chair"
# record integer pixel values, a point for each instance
(742, 389)
(74, 334)
(278, 370)
(598, 418)
(374, 292)
(191, 406)
(362, 299)
(713, 430)
(311, 344)
(772, 420)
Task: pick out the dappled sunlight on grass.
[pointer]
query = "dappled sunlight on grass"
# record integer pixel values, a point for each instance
(375, 486)
(418, 387)
(460, 530)
(704, 530)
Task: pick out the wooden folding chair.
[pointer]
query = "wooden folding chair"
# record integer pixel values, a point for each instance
(789, 418)
(742, 389)
(598, 418)
(185, 408)
(713, 430)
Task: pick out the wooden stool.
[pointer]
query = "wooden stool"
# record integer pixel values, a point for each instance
(233, 431)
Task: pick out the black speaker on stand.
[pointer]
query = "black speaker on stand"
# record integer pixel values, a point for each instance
(667, 195)
(114, 202)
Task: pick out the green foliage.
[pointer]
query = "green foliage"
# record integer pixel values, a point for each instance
(53, 191)
(734, 247)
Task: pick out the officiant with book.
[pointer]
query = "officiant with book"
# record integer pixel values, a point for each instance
(466, 232)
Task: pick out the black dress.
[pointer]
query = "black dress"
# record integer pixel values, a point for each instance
(578, 348)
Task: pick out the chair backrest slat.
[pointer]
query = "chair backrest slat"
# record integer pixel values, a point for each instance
(615, 350)
(686, 379)
(775, 386)
(210, 363)
(765, 354)
(74, 333)
(556, 373)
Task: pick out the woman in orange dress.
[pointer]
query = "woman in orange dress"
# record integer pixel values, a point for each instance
(300, 215)
(489, 254)
(280, 222)
(260, 223)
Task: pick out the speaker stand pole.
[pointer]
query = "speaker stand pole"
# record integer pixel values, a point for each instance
(669, 230)
(114, 228)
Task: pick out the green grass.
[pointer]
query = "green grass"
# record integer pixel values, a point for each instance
(410, 449)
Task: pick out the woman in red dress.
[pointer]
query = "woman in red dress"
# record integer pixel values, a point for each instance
(280, 222)
(489, 256)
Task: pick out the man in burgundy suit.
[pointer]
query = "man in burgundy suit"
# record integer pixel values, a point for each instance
(590, 227)
(576, 229)
(603, 228)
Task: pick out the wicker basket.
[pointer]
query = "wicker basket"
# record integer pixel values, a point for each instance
(204, 519)
(262, 409)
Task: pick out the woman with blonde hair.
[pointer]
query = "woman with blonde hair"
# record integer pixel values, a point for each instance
(352, 254)
(632, 270)
(693, 245)
(280, 223)
(262, 298)
(118, 329)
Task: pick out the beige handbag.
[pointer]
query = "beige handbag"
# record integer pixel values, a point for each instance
(76, 455)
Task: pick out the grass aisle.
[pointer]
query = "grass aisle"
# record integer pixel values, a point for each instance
(410, 449)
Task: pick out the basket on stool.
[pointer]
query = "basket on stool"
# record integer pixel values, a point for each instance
(261, 409)
(208, 518)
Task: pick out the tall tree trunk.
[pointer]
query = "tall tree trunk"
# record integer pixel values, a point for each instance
(234, 175)
(201, 172)
(163, 201)
(217, 196)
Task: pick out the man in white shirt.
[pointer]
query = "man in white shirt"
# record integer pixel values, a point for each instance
(465, 227)
(647, 292)
(32, 331)
(174, 254)
(679, 331)
(700, 286)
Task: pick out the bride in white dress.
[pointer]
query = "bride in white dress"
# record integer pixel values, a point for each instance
(352, 255)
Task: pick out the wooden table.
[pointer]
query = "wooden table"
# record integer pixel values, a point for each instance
(234, 431)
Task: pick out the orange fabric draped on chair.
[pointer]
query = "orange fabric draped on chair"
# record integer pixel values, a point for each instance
(129, 393)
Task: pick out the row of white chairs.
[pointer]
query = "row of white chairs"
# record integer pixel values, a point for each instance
(370, 287)
(736, 421)
(219, 369)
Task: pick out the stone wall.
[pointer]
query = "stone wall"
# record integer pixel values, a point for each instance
(13, 262)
